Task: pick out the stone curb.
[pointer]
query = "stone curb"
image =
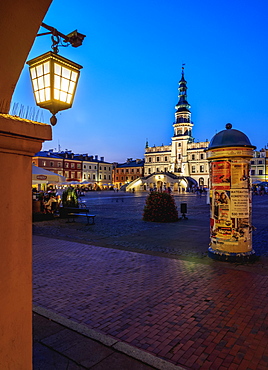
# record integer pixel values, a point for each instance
(108, 341)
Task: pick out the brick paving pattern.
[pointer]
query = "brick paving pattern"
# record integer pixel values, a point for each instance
(191, 314)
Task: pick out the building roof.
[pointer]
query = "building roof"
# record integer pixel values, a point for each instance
(132, 163)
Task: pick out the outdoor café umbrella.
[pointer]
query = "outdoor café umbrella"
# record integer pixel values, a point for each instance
(41, 176)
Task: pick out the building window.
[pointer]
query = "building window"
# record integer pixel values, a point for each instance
(127, 170)
(100, 167)
(94, 177)
(150, 159)
(44, 163)
(201, 168)
(66, 174)
(149, 170)
(126, 178)
(157, 159)
(72, 175)
(66, 165)
(95, 167)
(117, 171)
(252, 162)
(78, 165)
(179, 144)
(59, 164)
(100, 177)
(109, 177)
(193, 169)
(132, 170)
(104, 177)
(51, 164)
(109, 168)
(72, 165)
(122, 178)
(85, 166)
(260, 172)
(193, 157)
(89, 167)
(202, 156)
(116, 177)
(131, 177)
(179, 169)
(179, 156)
(157, 170)
(252, 172)
(138, 170)
(88, 176)
(260, 162)
(165, 159)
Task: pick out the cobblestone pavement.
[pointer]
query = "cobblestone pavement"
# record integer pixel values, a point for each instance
(196, 313)
(119, 224)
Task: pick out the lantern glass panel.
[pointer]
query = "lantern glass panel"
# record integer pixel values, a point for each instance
(71, 87)
(74, 76)
(69, 98)
(57, 82)
(46, 68)
(66, 73)
(57, 69)
(64, 84)
(57, 94)
(39, 70)
(33, 73)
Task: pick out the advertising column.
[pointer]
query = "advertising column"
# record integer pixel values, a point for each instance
(230, 203)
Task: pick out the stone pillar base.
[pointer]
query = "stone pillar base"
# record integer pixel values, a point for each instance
(232, 257)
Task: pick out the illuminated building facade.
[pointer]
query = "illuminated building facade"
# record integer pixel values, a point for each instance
(181, 165)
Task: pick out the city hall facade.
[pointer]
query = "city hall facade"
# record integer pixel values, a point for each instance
(183, 164)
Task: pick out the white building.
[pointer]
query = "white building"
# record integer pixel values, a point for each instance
(182, 164)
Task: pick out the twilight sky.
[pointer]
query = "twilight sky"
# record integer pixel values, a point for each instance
(132, 57)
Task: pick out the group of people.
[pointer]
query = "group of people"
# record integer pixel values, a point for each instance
(260, 189)
(50, 201)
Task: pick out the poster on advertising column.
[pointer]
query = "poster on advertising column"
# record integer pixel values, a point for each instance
(240, 175)
(221, 174)
(239, 203)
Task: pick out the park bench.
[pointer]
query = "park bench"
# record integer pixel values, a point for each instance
(82, 211)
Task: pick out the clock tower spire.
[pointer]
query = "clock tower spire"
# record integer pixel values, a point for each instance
(182, 130)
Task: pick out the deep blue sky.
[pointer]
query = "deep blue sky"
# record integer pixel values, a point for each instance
(132, 59)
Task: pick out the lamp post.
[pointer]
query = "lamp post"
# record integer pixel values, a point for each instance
(54, 78)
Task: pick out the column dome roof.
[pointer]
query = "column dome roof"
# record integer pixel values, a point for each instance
(230, 137)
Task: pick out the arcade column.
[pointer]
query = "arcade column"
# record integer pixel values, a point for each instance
(20, 139)
(229, 155)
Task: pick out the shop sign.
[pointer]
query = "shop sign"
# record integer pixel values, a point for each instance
(41, 177)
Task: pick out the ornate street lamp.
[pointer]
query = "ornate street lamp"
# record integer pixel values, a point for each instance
(54, 78)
